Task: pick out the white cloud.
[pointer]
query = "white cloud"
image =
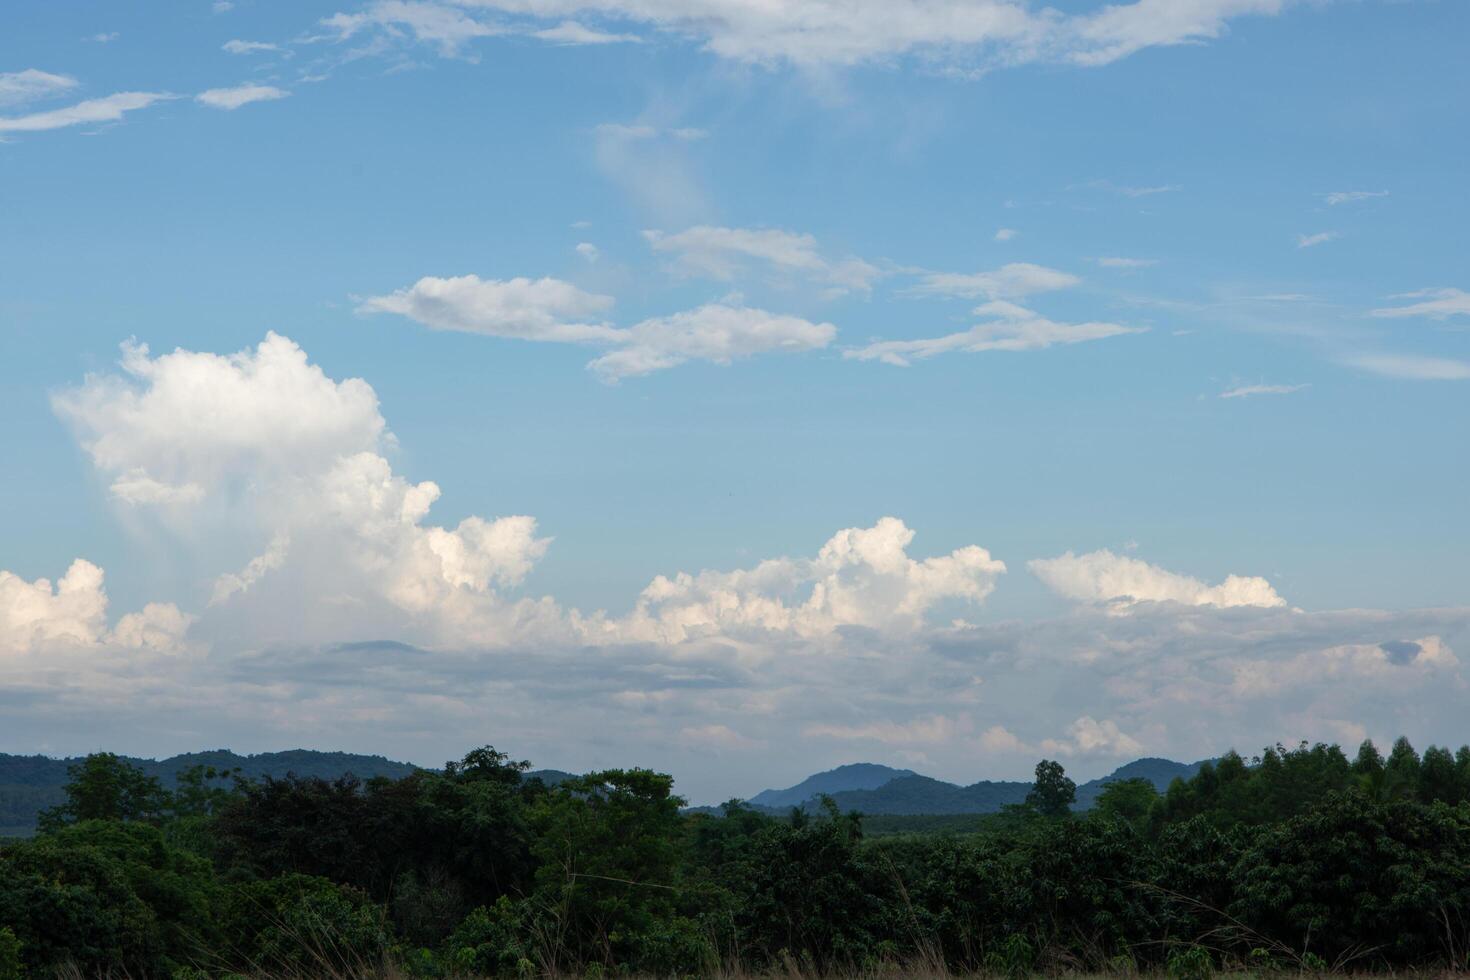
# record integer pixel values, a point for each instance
(588, 251)
(1106, 578)
(1411, 367)
(975, 35)
(37, 617)
(19, 87)
(714, 332)
(1435, 303)
(106, 37)
(571, 32)
(248, 47)
(1116, 262)
(108, 109)
(1086, 736)
(1247, 391)
(185, 425)
(861, 577)
(543, 309)
(1015, 280)
(930, 730)
(1350, 197)
(239, 95)
(553, 310)
(222, 6)
(717, 736)
(1013, 328)
(1321, 237)
(275, 449)
(1005, 234)
(431, 23)
(999, 739)
(720, 253)
(1124, 190)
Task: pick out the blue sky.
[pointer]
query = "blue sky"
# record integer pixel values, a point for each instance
(1149, 295)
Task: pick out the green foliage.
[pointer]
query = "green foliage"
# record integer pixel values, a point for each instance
(11, 967)
(1299, 859)
(104, 787)
(1053, 793)
(300, 924)
(1194, 963)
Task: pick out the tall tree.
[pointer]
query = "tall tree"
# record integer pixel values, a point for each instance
(1053, 793)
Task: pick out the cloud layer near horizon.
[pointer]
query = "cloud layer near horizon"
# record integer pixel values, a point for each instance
(339, 611)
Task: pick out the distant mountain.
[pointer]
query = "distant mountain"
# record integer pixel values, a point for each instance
(32, 783)
(905, 793)
(550, 777)
(856, 777)
(1160, 772)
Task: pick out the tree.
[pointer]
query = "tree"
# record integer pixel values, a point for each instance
(1401, 772)
(1053, 793)
(1129, 800)
(105, 787)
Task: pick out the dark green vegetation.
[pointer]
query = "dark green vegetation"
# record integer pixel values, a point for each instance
(1300, 859)
(30, 784)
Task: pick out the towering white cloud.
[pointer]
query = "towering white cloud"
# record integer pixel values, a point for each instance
(1103, 577)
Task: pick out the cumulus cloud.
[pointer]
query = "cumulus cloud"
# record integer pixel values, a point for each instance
(1015, 280)
(722, 253)
(1434, 303)
(104, 110)
(860, 577)
(553, 310)
(1086, 736)
(588, 251)
(1005, 234)
(1013, 328)
(37, 616)
(176, 427)
(1250, 391)
(239, 95)
(543, 309)
(32, 84)
(1106, 578)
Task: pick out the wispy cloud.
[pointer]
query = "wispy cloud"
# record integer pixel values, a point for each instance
(1309, 241)
(1247, 391)
(1005, 234)
(1132, 190)
(20, 87)
(572, 32)
(1011, 328)
(1116, 262)
(249, 47)
(1013, 280)
(103, 38)
(239, 95)
(1349, 197)
(1411, 367)
(1435, 303)
(108, 109)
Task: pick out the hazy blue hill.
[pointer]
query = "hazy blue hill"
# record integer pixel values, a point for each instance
(914, 795)
(550, 776)
(1160, 772)
(857, 776)
(32, 783)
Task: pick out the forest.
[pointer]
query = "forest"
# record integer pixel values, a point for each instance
(1301, 859)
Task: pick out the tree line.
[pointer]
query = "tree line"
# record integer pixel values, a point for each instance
(1299, 858)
